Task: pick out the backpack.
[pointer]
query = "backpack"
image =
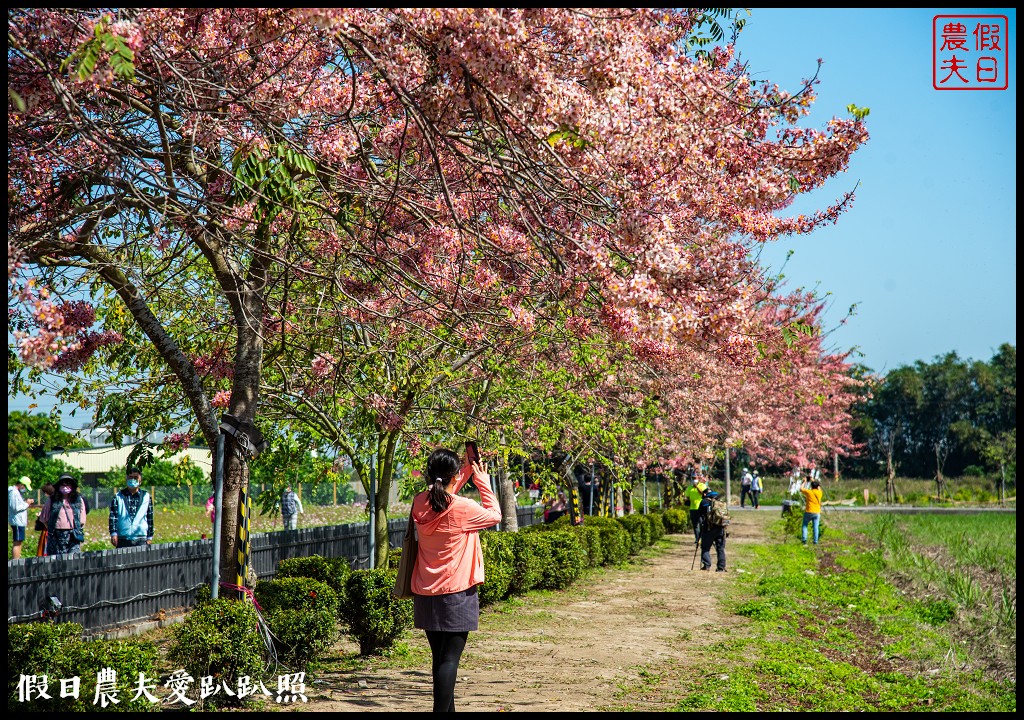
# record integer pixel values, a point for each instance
(718, 513)
(288, 507)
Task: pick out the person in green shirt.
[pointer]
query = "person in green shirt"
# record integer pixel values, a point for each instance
(691, 499)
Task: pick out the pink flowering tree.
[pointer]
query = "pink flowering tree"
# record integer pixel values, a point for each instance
(210, 178)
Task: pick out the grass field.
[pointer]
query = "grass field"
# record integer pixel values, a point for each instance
(178, 522)
(891, 613)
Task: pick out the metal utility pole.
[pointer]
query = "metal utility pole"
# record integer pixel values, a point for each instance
(371, 505)
(593, 482)
(645, 490)
(728, 477)
(218, 514)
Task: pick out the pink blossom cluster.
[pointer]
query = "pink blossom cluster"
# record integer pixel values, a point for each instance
(87, 343)
(480, 176)
(177, 441)
(215, 365)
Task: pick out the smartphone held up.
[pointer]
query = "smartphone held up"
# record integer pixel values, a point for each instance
(472, 453)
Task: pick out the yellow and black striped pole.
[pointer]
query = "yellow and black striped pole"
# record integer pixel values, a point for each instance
(244, 512)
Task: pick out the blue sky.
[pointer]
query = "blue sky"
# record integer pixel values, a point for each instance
(928, 251)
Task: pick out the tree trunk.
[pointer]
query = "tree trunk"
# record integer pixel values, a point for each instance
(385, 478)
(890, 475)
(1002, 483)
(236, 477)
(506, 498)
(573, 491)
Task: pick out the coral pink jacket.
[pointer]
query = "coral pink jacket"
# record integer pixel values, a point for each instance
(450, 558)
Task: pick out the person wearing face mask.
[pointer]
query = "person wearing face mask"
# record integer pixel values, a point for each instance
(64, 518)
(692, 499)
(131, 514)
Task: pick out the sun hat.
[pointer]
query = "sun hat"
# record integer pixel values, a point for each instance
(26, 482)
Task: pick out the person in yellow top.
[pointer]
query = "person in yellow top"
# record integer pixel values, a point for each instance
(691, 499)
(812, 508)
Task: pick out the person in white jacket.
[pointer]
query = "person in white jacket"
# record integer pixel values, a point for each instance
(17, 513)
(291, 508)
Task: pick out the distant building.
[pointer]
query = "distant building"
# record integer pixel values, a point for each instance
(95, 462)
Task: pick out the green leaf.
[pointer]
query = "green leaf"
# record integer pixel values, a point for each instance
(859, 113)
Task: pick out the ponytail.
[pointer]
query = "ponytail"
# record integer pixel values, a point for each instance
(438, 496)
(442, 466)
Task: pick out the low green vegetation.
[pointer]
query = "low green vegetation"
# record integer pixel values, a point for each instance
(45, 658)
(889, 613)
(874, 620)
(919, 492)
(177, 522)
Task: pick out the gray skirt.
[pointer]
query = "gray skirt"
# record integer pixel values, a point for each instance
(455, 612)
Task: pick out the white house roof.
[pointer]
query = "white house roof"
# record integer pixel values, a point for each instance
(100, 460)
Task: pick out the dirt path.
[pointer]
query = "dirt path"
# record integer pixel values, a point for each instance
(565, 651)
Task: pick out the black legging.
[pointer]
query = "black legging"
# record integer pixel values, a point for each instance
(445, 651)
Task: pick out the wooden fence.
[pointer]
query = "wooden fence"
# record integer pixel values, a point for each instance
(104, 589)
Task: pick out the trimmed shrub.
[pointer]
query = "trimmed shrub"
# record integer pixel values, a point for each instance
(375, 619)
(499, 565)
(394, 558)
(675, 521)
(590, 538)
(203, 594)
(127, 658)
(639, 532)
(220, 638)
(567, 561)
(333, 572)
(532, 557)
(302, 613)
(38, 649)
(615, 538)
(657, 526)
(58, 651)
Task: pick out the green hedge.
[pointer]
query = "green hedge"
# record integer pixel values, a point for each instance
(531, 560)
(333, 572)
(58, 651)
(639, 529)
(676, 521)
(375, 619)
(657, 526)
(302, 613)
(500, 566)
(615, 538)
(547, 556)
(568, 559)
(219, 638)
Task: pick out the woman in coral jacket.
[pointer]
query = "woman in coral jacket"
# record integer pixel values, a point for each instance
(449, 563)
